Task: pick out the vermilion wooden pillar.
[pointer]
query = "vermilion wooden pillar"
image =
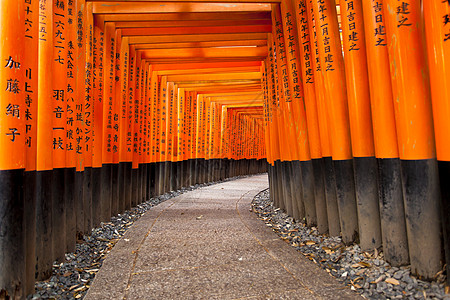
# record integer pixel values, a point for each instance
(416, 143)
(12, 150)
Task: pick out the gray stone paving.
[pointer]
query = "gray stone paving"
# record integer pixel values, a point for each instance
(207, 244)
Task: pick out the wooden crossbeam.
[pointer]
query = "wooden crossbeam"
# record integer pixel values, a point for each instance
(205, 90)
(196, 30)
(200, 23)
(204, 52)
(215, 77)
(232, 94)
(226, 84)
(239, 102)
(132, 7)
(208, 70)
(237, 98)
(196, 38)
(213, 44)
(204, 59)
(184, 16)
(205, 65)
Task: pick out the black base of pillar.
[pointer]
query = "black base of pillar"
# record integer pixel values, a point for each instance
(334, 226)
(122, 188)
(71, 221)
(79, 205)
(444, 177)
(345, 194)
(134, 186)
(319, 195)
(423, 215)
(12, 234)
(106, 193)
(128, 184)
(366, 187)
(96, 196)
(30, 229)
(58, 215)
(115, 183)
(392, 212)
(44, 256)
(308, 192)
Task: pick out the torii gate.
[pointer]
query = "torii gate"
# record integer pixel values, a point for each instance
(106, 103)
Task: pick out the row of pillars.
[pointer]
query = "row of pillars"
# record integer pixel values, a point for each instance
(357, 123)
(88, 129)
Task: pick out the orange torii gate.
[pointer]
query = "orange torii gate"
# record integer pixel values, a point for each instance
(105, 104)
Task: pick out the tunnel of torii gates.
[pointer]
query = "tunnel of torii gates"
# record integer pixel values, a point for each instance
(104, 104)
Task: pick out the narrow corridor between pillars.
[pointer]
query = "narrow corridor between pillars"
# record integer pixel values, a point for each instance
(104, 104)
(208, 244)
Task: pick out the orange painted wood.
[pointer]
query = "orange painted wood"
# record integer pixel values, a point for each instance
(30, 65)
(183, 16)
(307, 75)
(132, 74)
(322, 112)
(98, 97)
(358, 94)
(82, 84)
(287, 132)
(204, 52)
(109, 60)
(192, 23)
(175, 124)
(118, 97)
(410, 79)
(438, 45)
(12, 94)
(72, 88)
(163, 120)
(382, 104)
(203, 44)
(195, 30)
(215, 77)
(332, 66)
(89, 87)
(299, 105)
(124, 63)
(59, 84)
(183, 38)
(209, 70)
(169, 119)
(135, 111)
(103, 7)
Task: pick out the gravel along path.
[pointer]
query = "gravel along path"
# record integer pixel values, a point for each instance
(365, 272)
(72, 278)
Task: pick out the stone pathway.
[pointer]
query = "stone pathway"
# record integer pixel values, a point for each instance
(207, 244)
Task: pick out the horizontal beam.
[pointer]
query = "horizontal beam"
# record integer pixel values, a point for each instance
(208, 71)
(214, 77)
(227, 84)
(132, 7)
(237, 98)
(202, 44)
(232, 94)
(204, 52)
(204, 65)
(205, 23)
(196, 38)
(196, 30)
(187, 16)
(204, 59)
(218, 89)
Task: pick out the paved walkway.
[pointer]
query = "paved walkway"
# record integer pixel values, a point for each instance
(206, 244)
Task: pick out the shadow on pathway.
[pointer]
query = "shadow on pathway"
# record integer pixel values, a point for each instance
(207, 244)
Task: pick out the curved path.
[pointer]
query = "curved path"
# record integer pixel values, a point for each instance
(207, 244)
